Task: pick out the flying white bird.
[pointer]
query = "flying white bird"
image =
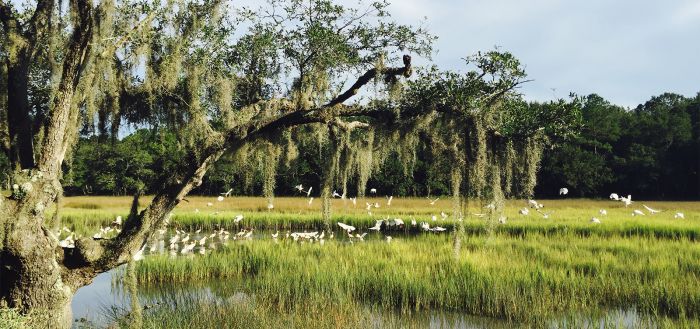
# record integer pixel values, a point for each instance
(614, 196)
(433, 217)
(595, 220)
(377, 226)
(308, 193)
(603, 212)
(299, 188)
(227, 193)
(637, 212)
(679, 215)
(627, 201)
(238, 218)
(335, 194)
(346, 227)
(652, 211)
(439, 229)
(563, 191)
(373, 190)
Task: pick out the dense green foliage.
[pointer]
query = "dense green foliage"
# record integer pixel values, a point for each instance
(652, 151)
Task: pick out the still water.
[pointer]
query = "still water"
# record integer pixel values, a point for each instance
(92, 304)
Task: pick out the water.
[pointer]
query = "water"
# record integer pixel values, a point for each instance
(92, 304)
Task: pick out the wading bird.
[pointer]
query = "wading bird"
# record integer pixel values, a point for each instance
(651, 211)
(679, 215)
(377, 226)
(595, 220)
(346, 227)
(603, 212)
(563, 191)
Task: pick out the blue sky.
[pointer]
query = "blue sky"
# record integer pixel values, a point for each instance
(624, 50)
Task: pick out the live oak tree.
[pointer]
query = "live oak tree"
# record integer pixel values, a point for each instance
(251, 82)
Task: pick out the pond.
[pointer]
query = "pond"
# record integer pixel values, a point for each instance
(93, 304)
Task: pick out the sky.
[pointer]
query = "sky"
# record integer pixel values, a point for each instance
(623, 50)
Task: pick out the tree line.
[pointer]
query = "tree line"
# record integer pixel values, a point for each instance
(651, 151)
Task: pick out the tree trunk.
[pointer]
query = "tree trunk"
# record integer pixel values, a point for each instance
(31, 278)
(19, 120)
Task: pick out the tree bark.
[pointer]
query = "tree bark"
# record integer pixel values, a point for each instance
(19, 120)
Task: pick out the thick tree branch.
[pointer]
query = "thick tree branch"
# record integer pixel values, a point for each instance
(56, 141)
(371, 74)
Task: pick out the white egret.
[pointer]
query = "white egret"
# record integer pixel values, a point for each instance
(139, 254)
(603, 212)
(346, 227)
(563, 191)
(249, 234)
(679, 215)
(439, 229)
(354, 201)
(209, 204)
(299, 188)
(443, 215)
(220, 198)
(502, 220)
(185, 239)
(614, 196)
(335, 194)
(227, 193)
(276, 234)
(595, 220)
(117, 221)
(311, 200)
(524, 211)
(308, 193)
(238, 218)
(373, 190)
(627, 201)
(376, 204)
(388, 201)
(377, 226)
(637, 212)
(388, 239)
(652, 211)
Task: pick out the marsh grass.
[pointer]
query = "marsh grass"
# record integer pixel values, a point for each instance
(531, 270)
(518, 279)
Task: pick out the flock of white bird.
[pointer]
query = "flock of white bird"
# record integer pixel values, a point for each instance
(183, 242)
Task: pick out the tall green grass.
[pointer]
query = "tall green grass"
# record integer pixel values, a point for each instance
(526, 278)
